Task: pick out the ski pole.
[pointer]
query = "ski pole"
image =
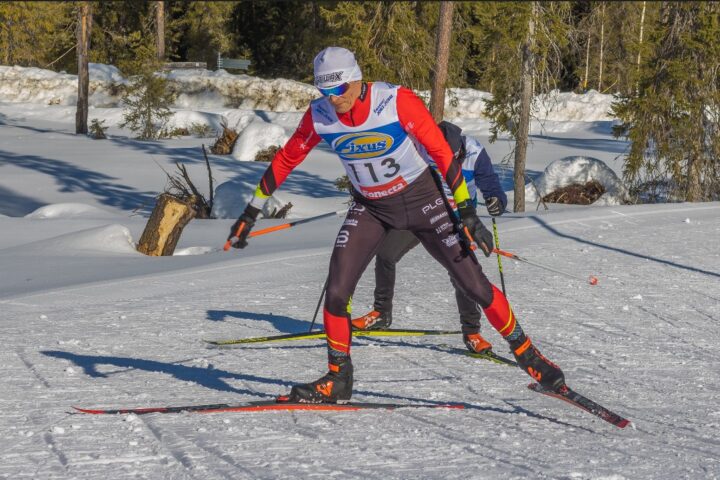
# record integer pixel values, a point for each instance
(592, 279)
(317, 309)
(497, 245)
(275, 228)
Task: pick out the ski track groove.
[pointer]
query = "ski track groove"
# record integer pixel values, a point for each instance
(180, 456)
(30, 366)
(48, 437)
(656, 428)
(224, 457)
(444, 431)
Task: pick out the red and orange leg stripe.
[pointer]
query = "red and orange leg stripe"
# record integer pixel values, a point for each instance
(499, 313)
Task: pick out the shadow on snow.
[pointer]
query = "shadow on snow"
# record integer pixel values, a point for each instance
(282, 323)
(207, 377)
(558, 233)
(72, 178)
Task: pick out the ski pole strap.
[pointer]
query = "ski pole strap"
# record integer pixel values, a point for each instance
(471, 240)
(499, 260)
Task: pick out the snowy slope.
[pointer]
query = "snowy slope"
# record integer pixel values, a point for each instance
(88, 321)
(641, 342)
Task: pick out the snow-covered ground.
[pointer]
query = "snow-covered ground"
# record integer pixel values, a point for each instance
(88, 321)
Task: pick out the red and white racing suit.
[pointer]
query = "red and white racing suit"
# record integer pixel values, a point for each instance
(377, 141)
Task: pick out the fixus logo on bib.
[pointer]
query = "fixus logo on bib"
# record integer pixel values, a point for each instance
(353, 146)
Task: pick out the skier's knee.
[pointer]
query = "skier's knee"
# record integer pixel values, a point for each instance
(337, 298)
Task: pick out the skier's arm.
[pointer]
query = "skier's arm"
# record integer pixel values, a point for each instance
(416, 120)
(286, 159)
(485, 177)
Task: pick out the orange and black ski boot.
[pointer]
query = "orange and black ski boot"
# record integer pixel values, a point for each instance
(545, 372)
(334, 387)
(372, 321)
(476, 343)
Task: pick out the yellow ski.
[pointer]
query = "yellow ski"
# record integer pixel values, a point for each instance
(390, 332)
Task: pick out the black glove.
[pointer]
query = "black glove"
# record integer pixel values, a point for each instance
(474, 229)
(494, 206)
(245, 223)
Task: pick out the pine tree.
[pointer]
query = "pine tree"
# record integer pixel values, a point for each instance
(673, 119)
(36, 34)
(393, 41)
(124, 34)
(147, 106)
(147, 101)
(608, 36)
(533, 65)
(199, 30)
(490, 35)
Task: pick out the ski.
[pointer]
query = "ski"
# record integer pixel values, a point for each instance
(493, 357)
(573, 398)
(490, 356)
(280, 403)
(391, 332)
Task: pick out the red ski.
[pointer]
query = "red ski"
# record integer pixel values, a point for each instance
(280, 403)
(573, 398)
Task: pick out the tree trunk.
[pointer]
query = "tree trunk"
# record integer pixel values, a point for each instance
(83, 45)
(442, 54)
(602, 45)
(164, 226)
(160, 30)
(587, 61)
(523, 130)
(694, 188)
(642, 25)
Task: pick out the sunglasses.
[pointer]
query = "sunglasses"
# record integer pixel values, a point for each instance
(336, 90)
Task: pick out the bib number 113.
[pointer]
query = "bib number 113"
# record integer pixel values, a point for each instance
(389, 163)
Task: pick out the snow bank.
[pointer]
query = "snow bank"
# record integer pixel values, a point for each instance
(180, 252)
(572, 107)
(69, 210)
(231, 198)
(113, 239)
(204, 89)
(257, 136)
(569, 170)
(35, 85)
(195, 89)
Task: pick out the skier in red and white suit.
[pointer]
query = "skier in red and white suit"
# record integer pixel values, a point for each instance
(376, 129)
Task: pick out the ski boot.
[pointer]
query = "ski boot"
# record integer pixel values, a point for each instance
(335, 386)
(372, 321)
(476, 343)
(536, 365)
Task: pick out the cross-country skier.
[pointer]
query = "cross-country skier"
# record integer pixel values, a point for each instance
(478, 172)
(376, 129)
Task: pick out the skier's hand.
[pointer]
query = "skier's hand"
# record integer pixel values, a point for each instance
(494, 206)
(474, 228)
(241, 228)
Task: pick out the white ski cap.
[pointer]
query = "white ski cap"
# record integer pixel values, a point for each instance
(335, 66)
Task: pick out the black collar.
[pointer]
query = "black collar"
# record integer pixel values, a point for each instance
(363, 91)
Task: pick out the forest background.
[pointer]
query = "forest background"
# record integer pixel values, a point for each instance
(660, 59)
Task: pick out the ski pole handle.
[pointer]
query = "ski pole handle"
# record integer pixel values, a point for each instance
(471, 240)
(236, 237)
